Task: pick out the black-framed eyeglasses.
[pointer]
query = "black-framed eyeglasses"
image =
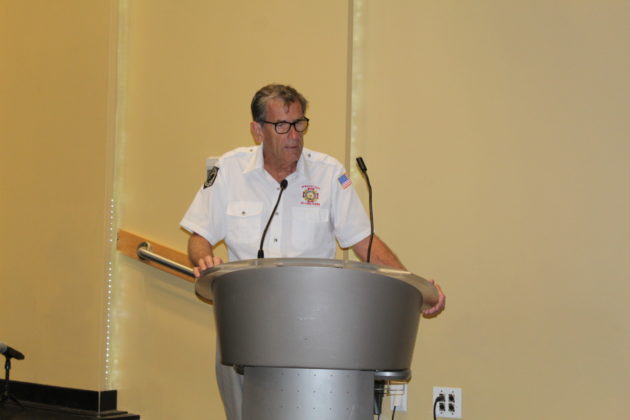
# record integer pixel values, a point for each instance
(283, 127)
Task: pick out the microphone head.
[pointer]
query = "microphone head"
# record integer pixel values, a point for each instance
(284, 184)
(10, 352)
(361, 164)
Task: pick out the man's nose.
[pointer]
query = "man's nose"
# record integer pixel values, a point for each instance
(293, 131)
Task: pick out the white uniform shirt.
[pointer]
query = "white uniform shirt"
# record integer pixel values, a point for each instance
(318, 206)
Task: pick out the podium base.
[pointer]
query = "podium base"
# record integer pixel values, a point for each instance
(307, 394)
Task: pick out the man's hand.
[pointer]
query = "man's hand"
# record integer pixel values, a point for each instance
(383, 255)
(205, 263)
(200, 254)
(439, 306)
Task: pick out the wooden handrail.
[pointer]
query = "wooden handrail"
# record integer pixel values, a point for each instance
(128, 243)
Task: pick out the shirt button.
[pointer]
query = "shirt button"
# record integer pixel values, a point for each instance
(243, 213)
(277, 213)
(275, 239)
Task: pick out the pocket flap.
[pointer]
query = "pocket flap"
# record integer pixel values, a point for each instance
(244, 208)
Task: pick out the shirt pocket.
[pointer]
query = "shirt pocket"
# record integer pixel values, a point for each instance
(244, 221)
(311, 228)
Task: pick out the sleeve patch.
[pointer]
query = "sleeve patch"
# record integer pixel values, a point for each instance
(344, 181)
(212, 176)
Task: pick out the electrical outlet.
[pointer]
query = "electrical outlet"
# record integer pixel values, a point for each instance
(398, 397)
(451, 407)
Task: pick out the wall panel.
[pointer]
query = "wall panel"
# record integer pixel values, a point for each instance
(496, 136)
(57, 83)
(191, 69)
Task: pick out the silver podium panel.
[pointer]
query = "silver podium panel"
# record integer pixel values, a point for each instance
(314, 313)
(307, 394)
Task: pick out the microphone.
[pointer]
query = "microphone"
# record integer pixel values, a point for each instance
(363, 169)
(283, 186)
(10, 352)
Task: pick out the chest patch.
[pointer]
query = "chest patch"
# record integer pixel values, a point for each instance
(310, 195)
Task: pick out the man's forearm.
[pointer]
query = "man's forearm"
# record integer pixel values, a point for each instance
(198, 248)
(381, 254)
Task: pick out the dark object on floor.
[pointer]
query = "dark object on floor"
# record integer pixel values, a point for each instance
(57, 403)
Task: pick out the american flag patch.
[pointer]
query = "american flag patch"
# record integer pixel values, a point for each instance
(345, 181)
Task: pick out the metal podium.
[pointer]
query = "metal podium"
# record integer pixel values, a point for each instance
(311, 336)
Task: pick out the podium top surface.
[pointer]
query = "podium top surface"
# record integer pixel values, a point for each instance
(203, 286)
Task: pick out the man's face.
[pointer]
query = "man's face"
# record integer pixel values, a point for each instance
(280, 150)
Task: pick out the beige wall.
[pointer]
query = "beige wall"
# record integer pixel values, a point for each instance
(192, 68)
(496, 134)
(56, 88)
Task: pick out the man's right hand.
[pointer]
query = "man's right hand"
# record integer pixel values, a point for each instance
(205, 263)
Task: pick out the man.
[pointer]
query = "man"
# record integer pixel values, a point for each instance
(319, 207)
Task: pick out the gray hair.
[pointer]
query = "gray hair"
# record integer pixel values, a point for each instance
(288, 94)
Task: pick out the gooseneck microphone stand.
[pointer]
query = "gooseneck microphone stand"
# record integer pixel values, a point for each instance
(6, 395)
(283, 186)
(363, 169)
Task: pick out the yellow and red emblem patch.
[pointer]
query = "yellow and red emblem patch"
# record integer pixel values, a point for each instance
(310, 195)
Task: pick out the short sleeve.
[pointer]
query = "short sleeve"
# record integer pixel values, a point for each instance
(206, 214)
(351, 222)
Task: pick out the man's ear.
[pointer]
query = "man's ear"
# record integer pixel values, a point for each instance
(256, 129)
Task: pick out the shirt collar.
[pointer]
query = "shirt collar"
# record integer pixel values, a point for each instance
(256, 163)
(302, 166)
